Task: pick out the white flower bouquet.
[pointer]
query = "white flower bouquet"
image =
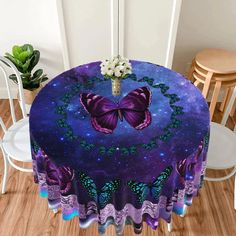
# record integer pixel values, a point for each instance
(116, 69)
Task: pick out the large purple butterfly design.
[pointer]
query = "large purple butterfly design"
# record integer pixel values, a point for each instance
(105, 113)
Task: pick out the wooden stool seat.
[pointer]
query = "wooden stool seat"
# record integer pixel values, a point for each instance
(222, 77)
(228, 83)
(217, 61)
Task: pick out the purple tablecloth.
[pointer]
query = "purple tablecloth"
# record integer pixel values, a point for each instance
(129, 176)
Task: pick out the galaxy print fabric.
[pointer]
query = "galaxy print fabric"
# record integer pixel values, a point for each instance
(128, 176)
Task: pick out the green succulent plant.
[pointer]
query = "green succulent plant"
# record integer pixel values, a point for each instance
(25, 58)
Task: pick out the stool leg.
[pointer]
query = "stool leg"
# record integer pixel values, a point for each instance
(196, 83)
(191, 70)
(207, 84)
(233, 109)
(214, 98)
(228, 98)
(222, 106)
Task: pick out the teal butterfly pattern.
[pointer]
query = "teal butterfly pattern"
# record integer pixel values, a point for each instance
(65, 100)
(143, 190)
(103, 196)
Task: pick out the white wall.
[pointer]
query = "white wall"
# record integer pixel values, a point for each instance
(146, 27)
(87, 24)
(146, 30)
(34, 22)
(202, 24)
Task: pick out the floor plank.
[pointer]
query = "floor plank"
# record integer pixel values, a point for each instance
(24, 213)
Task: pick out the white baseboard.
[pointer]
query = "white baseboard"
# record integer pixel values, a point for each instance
(4, 94)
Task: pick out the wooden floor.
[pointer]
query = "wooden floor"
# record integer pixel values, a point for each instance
(24, 213)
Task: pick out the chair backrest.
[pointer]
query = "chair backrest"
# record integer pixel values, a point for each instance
(229, 108)
(4, 63)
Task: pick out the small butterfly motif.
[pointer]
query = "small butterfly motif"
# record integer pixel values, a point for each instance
(61, 110)
(124, 151)
(86, 145)
(62, 123)
(102, 150)
(70, 135)
(177, 110)
(173, 98)
(166, 136)
(152, 144)
(175, 123)
(102, 196)
(133, 77)
(143, 190)
(163, 88)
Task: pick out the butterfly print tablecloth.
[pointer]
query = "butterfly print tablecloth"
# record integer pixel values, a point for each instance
(119, 160)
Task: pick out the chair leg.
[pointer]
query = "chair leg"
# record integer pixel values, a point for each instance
(235, 192)
(55, 211)
(6, 165)
(169, 227)
(185, 211)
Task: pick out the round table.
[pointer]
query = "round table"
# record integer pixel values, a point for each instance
(129, 175)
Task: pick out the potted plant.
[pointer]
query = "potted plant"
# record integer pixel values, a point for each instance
(25, 58)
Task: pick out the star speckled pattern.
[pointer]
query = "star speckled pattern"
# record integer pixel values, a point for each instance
(145, 164)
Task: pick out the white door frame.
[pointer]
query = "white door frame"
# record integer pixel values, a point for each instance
(117, 28)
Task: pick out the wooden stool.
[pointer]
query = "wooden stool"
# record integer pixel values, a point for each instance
(215, 67)
(219, 83)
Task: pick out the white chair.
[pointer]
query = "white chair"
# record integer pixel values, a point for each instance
(222, 147)
(15, 144)
(221, 139)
